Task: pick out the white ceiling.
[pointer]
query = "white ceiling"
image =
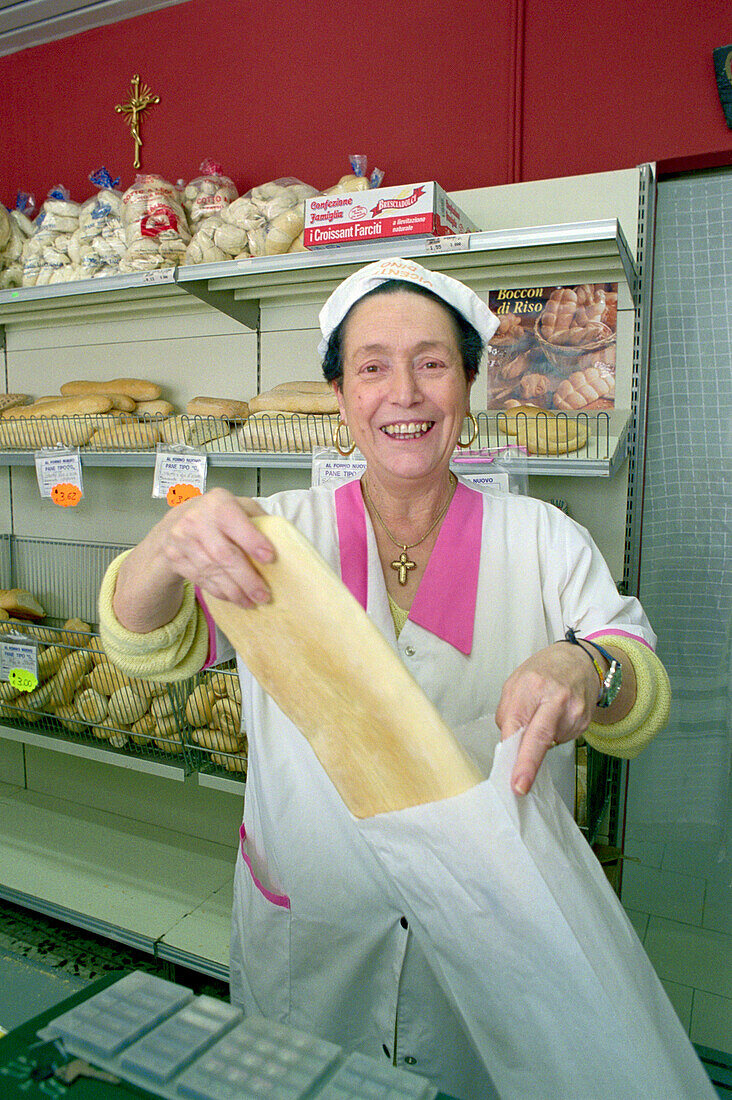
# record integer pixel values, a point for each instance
(25, 23)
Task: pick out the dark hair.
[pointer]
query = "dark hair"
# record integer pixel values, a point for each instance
(470, 342)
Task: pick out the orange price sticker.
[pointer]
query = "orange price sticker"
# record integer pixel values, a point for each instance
(177, 494)
(66, 495)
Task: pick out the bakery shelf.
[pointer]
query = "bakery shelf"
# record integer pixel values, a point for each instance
(127, 880)
(55, 742)
(284, 443)
(575, 252)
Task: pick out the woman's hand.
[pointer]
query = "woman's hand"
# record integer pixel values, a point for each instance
(552, 696)
(209, 540)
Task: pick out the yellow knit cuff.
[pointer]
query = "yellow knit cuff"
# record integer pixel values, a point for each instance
(650, 712)
(171, 652)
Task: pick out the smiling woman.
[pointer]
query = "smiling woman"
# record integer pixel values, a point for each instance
(473, 590)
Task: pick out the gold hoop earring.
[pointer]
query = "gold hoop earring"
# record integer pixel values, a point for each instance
(337, 440)
(474, 433)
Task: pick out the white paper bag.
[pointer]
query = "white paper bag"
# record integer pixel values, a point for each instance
(532, 946)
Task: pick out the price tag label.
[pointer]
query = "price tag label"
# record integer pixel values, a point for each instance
(66, 495)
(181, 469)
(58, 472)
(497, 480)
(22, 679)
(19, 664)
(330, 467)
(161, 275)
(177, 494)
(454, 242)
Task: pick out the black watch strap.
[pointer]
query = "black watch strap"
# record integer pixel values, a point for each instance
(609, 682)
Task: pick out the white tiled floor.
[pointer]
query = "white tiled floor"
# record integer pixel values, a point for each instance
(680, 904)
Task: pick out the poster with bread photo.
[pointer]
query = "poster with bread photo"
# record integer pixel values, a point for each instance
(554, 347)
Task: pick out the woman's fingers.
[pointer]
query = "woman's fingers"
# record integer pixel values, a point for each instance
(551, 696)
(212, 542)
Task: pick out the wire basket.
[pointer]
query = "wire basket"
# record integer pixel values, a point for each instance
(81, 696)
(209, 705)
(568, 358)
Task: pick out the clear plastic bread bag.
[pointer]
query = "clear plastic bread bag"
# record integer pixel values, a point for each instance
(208, 194)
(45, 252)
(156, 227)
(272, 215)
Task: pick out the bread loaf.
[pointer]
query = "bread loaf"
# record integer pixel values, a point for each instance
(284, 431)
(304, 397)
(126, 435)
(222, 407)
(61, 406)
(12, 400)
(139, 389)
(194, 431)
(32, 433)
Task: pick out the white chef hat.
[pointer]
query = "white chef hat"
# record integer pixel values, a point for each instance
(464, 300)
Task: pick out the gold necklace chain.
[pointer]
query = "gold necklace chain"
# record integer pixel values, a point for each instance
(404, 564)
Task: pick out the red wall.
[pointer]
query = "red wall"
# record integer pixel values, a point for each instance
(471, 93)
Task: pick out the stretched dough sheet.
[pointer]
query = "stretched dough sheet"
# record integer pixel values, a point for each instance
(319, 656)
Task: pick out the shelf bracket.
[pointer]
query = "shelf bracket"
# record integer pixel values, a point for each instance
(245, 311)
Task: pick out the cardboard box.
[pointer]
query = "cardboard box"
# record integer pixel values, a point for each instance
(386, 213)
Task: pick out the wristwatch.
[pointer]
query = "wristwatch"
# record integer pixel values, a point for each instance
(610, 681)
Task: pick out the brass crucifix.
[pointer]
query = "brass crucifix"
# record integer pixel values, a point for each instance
(140, 99)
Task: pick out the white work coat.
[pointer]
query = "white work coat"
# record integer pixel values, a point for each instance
(317, 941)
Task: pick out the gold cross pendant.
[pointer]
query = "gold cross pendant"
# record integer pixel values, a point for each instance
(402, 565)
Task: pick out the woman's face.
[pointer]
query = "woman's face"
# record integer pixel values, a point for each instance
(404, 393)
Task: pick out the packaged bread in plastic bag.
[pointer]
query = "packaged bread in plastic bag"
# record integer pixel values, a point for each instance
(15, 228)
(209, 193)
(46, 252)
(155, 223)
(272, 215)
(98, 245)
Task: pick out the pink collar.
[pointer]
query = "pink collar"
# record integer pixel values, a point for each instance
(445, 600)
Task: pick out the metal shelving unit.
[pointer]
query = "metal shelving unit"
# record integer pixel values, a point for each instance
(236, 287)
(576, 252)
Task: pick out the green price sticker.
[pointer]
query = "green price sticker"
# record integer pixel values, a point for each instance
(23, 680)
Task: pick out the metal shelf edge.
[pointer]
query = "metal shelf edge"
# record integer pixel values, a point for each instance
(91, 752)
(78, 919)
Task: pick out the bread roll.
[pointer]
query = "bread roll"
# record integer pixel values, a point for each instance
(21, 604)
(218, 740)
(66, 714)
(162, 705)
(141, 731)
(91, 706)
(154, 409)
(199, 706)
(234, 763)
(222, 407)
(126, 706)
(139, 389)
(226, 716)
